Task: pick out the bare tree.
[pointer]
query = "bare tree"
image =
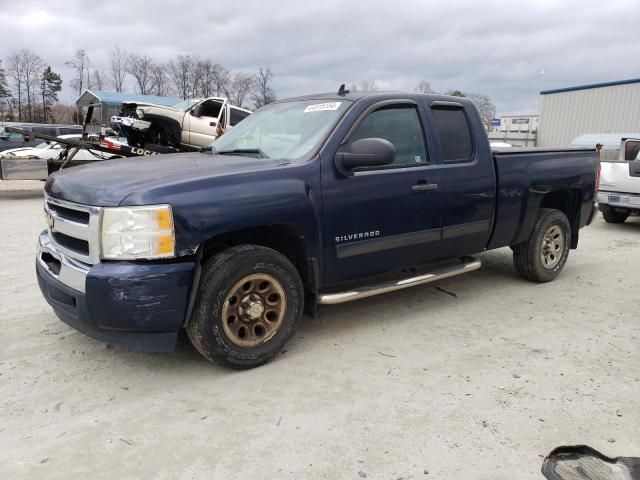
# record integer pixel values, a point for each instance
(239, 88)
(424, 87)
(263, 93)
(364, 86)
(221, 79)
(180, 72)
(204, 78)
(98, 79)
(161, 82)
(32, 67)
(118, 66)
(15, 72)
(80, 65)
(140, 67)
(486, 108)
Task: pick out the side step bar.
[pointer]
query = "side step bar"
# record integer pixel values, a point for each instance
(469, 264)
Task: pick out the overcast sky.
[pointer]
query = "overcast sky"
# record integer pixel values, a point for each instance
(497, 48)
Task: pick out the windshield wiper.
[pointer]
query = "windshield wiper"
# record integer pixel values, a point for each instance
(239, 151)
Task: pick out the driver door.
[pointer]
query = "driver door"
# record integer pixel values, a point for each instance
(203, 119)
(382, 219)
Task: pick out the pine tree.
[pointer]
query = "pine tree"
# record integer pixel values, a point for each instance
(50, 85)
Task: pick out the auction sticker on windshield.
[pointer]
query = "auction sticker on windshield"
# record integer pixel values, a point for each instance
(321, 107)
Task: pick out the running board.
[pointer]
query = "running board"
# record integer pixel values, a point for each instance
(469, 264)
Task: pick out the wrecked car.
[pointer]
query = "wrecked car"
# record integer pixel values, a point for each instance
(190, 124)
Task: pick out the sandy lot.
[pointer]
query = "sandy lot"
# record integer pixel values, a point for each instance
(478, 380)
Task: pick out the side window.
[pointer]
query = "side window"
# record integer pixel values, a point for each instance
(400, 124)
(237, 116)
(453, 131)
(210, 108)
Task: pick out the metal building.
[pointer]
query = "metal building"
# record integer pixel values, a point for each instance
(567, 113)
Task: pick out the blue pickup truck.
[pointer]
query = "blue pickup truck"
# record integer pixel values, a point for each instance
(313, 200)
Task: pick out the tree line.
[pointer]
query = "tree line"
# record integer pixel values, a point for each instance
(29, 88)
(185, 76)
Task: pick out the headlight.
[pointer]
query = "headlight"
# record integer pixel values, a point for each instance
(140, 112)
(138, 232)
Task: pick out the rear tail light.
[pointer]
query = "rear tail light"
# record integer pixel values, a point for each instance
(598, 177)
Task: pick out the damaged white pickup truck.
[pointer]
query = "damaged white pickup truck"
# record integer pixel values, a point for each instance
(190, 124)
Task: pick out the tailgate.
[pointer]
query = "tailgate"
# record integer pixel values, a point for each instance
(623, 177)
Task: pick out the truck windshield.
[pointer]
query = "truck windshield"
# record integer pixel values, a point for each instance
(186, 104)
(288, 131)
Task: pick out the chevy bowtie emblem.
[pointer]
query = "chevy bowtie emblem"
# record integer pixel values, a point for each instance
(50, 221)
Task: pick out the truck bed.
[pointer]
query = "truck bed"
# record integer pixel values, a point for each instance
(525, 176)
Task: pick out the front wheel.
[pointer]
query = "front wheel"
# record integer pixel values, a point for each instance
(542, 256)
(248, 305)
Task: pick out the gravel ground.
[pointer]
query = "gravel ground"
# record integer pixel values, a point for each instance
(477, 377)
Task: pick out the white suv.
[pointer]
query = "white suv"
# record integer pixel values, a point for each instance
(619, 193)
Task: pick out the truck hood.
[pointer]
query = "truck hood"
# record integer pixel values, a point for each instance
(144, 105)
(131, 181)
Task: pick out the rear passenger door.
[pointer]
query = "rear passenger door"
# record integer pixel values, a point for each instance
(467, 178)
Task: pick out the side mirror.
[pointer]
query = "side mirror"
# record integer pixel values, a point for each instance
(195, 111)
(367, 152)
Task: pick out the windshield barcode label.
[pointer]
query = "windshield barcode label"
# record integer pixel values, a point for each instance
(321, 107)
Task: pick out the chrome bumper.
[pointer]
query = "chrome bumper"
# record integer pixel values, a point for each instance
(68, 271)
(624, 200)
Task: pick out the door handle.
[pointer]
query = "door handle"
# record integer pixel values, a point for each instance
(424, 187)
(212, 124)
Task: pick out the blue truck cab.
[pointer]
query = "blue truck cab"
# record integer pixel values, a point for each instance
(312, 200)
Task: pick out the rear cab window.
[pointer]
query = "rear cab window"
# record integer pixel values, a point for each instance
(452, 128)
(237, 116)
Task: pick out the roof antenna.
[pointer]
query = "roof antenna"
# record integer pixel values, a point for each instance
(342, 90)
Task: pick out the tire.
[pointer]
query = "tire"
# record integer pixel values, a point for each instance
(224, 308)
(542, 256)
(615, 216)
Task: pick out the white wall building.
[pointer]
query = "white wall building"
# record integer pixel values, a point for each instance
(567, 113)
(517, 130)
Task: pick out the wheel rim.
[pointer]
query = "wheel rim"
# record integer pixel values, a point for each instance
(253, 310)
(552, 247)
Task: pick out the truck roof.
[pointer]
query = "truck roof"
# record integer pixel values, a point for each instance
(353, 96)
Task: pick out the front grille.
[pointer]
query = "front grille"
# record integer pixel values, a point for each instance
(69, 214)
(74, 228)
(74, 244)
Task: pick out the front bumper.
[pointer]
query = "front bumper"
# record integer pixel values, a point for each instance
(619, 200)
(136, 305)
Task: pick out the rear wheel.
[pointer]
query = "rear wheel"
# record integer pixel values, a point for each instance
(249, 303)
(611, 215)
(542, 256)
